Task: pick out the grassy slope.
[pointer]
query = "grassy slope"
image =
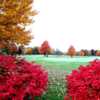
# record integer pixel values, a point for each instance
(57, 67)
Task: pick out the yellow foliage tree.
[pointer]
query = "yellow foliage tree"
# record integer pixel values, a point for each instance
(15, 15)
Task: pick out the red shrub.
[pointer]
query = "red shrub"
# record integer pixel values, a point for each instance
(84, 83)
(19, 78)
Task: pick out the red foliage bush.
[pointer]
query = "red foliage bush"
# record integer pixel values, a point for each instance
(19, 78)
(84, 83)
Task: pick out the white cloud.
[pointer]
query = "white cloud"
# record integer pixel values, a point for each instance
(66, 22)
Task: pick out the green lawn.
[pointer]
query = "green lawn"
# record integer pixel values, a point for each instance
(58, 67)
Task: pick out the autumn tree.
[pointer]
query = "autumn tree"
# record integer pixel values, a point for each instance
(71, 51)
(82, 53)
(29, 50)
(15, 15)
(45, 48)
(98, 53)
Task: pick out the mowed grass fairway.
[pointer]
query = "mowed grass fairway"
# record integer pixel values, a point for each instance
(58, 67)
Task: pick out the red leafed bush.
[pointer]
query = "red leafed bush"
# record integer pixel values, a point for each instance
(19, 79)
(84, 83)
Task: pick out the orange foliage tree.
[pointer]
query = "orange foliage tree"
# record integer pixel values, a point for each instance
(71, 51)
(29, 50)
(45, 48)
(15, 15)
(82, 53)
(97, 53)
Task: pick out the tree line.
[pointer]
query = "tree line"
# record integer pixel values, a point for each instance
(45, 49)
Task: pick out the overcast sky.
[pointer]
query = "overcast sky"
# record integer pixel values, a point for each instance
(67, 22)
